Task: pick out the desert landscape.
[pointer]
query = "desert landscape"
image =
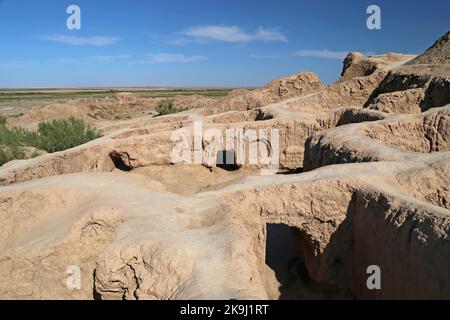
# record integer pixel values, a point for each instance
(360, 177)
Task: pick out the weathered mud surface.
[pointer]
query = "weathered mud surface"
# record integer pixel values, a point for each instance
(362, 180)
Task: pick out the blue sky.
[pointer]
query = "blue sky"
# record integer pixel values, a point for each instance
(201, 43)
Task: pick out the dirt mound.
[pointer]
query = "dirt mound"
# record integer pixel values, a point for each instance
(395, 138)
(31, 119)
(412, 89)
(353, 92)
(357, 65)
(295, 85)
(361, 77)
(438, 53)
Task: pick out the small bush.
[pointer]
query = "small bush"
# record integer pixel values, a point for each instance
(2, 121)
(58, 135)
(8, 154)
(51, 136)
(166, 107)
(12, 142)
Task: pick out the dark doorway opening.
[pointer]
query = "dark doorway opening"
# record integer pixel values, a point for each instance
(226, 160)
(119, 161)
(282, 256)
(263, 116)
(284, 247)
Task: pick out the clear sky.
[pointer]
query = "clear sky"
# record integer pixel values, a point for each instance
(201, 42)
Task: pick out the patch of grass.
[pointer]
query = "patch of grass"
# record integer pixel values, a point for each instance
(166, 107)
(51, 136)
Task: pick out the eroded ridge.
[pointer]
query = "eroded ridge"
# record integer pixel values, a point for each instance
(362, 180)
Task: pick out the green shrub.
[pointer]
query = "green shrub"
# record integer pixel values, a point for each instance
(51, 136)
(8, 154)
(2, 121)
(166, 107)
(12, 142)
(58, 135)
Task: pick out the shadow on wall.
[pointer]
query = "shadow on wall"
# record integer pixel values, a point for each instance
(284, 255)
(120, 161)
(280, 251)
(367, 236)
(437, 94)
(226, 160)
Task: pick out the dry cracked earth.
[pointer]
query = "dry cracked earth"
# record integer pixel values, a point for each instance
(364, 172)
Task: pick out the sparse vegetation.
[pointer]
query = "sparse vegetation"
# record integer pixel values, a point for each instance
(51, 136)
(58, 135)
(12, 142)
(9, 146)
(62, 95)
(166, 107)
